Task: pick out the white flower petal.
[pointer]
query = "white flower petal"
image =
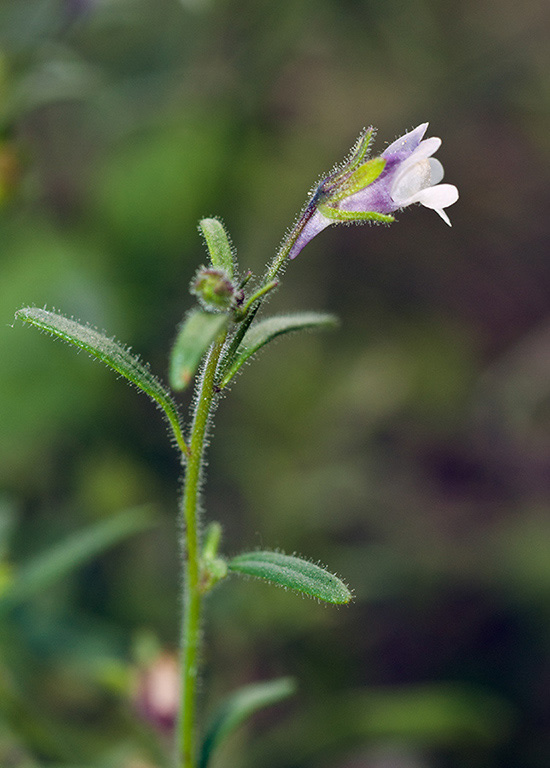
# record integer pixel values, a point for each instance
(408, 139)
(437, 171)
(443, 215)
(419, 156)
(410, 182)
(426, 148)
(439, 196)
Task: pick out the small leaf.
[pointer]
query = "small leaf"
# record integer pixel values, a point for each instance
(293, 573)
(198, 331)
(266, 330)
(218, 244)
(238, 707)
(109, 351)
(76, 549)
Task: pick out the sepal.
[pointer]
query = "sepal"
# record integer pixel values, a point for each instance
(336, 214)
(361, 148)
(361, 177)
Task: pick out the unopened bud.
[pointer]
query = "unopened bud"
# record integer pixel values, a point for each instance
(214, 289)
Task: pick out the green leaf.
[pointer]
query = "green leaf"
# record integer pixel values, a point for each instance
(266, 330)
(198, 331)
(238, 707)
(76, 549)
(218, 244)
(293, 573)
(109, 351)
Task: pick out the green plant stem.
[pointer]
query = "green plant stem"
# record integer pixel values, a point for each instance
(192, 569)
(258, 295)
(286, 246)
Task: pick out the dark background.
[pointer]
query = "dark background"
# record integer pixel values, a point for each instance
(409, 450)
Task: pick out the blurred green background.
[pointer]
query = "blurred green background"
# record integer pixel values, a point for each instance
(409, 450)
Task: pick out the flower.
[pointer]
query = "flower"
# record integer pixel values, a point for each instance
(371, 190)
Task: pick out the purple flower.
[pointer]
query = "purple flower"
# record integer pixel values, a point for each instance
(371, 190)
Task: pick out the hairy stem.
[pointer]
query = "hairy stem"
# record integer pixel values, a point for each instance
(286, 246)
(191, 637)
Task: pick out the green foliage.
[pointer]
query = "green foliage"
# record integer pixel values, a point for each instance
(292, 573)
(39, 573)
(108, 351)
(238, 707)
(218, 244)
(156, 185)
(198, 331)
(264, 331)
(443, 716)
(7, 525)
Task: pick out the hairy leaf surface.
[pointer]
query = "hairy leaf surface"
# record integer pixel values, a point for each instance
(218, 244)
(109, 351)
(264, 331)
(293, 573)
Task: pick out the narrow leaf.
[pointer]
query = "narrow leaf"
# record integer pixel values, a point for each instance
(76, 549)
(109, 351)
(293, 573)
(266, 330)
(218, 244)
(238, 707)
(198, 331)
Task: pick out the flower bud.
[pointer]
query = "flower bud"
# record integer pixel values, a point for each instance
(157, 692)
(214, 289)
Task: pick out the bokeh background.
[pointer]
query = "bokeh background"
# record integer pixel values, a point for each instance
(409, 449)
